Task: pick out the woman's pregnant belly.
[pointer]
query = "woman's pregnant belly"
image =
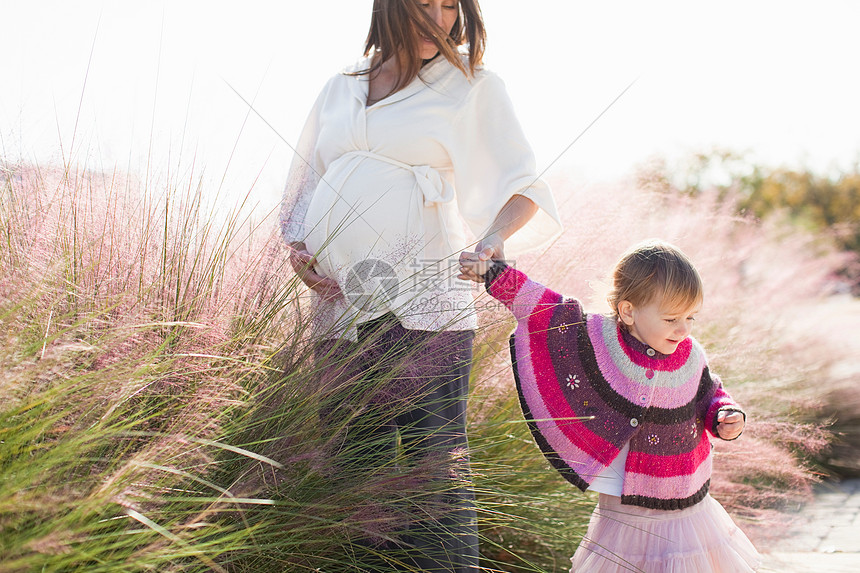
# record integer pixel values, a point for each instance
(382, 232)
(364, 209)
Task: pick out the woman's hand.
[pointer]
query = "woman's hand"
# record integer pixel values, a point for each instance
(473, 266)
(517, 212)
(303, 264)
(491, 248)
(730, 424)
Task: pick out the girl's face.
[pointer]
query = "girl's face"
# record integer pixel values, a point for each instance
(444, 13)
(661, 329)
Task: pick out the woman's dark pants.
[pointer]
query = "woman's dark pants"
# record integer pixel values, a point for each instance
(422, 378)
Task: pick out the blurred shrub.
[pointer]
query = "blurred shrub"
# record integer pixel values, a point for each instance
(825, 205)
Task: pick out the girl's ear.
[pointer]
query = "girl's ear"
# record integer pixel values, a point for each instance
(625, 312)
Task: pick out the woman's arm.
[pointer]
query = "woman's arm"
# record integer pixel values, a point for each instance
(499, 190)
(514, 215)
(302, 181)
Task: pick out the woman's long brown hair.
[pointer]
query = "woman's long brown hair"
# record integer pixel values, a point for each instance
(397, 25)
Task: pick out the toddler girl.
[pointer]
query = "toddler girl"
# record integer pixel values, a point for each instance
(623, 405)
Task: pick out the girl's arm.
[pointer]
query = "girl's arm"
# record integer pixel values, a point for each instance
(723, 417)
(522, 296)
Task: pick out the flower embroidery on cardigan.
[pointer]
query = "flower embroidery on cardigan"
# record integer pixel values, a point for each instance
(572, 381)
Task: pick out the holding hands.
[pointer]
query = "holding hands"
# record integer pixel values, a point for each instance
(473, 266)
(730, 424)
(517, 211)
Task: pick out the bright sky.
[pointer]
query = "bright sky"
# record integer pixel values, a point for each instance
(112, 82)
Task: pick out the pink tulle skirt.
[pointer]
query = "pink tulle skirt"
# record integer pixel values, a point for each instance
(700, 539)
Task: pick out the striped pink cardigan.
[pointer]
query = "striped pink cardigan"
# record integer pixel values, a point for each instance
(588, 387)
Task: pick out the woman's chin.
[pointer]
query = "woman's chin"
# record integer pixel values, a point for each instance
(428, 50)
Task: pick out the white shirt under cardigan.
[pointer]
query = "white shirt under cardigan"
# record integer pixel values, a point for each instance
(611, 480)
(381, 193)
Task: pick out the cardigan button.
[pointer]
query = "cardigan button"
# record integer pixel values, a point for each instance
(634, 422)
(650, 352)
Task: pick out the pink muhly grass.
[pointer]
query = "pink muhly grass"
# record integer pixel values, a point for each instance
(117, 320)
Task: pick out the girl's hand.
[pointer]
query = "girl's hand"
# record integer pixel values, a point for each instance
(303, 265)
(729, 424)
(473, 266)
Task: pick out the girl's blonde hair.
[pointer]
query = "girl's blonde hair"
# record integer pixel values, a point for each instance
(655, 270)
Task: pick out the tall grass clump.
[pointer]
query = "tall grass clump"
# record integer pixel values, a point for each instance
(114, 374)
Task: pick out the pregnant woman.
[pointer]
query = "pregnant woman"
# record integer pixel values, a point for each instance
(408, 157)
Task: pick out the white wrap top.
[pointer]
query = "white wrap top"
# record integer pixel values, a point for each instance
(380, 193)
